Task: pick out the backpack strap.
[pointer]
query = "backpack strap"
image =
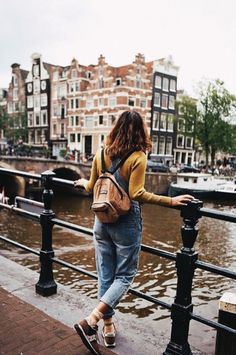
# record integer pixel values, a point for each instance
(119, 164)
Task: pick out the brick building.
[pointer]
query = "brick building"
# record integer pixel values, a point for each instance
(98, 94)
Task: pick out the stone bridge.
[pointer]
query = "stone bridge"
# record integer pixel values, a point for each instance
(63, 169)
(157, 183)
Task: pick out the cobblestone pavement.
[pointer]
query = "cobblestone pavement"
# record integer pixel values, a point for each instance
(25, 330)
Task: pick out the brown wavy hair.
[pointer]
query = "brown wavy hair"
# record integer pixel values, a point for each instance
(129, 132)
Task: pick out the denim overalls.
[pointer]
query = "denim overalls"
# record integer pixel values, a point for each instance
(117, 247)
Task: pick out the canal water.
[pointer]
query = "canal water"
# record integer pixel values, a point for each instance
(216, 244)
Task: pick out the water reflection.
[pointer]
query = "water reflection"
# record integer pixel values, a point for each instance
(216, 244)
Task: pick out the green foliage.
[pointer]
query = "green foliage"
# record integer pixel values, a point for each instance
(213, 129)
(14, 127)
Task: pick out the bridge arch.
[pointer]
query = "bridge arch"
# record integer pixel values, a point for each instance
(66, 173)
(13, 185)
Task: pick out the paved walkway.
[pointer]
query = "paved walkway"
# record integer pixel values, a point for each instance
(25, 330)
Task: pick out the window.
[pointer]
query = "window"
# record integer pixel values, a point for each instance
(172, 85)
(15, 80)
(88, 121)
(72, 137)
(74, 73)
(44, 100)
(180, 141)
(10, 106)
(157, 99)
(101, 119)
(36, 86)
(164, 101)
(44, 118)
(30, 119)
(36, 70)
(143, 103)
(71, 121)
(62, 130)
(165, 84)
(163, 122)
(111, 120)
(118, 82)
(88, 74)
(29, 87)
(54, 110)
(54, 129)
(71, 87)
(131, 101)
(181, 125)
(76, 103)
(37, 119)
(138, 82)
(154, 144)
(172, 102)
(100, 83)
(89, 103)
(158, 81)
(101, 101)
(112, 101)
(170, 126)
(72, 104)
(155, 122)
(63, 110)
(15, 94)
(76, 120)
(43, 84)
(189, 142)
(169, 145)
(162, 145)
(16, 106)
(36, 101)
(78, 137)
(77, 86)
(29, 101)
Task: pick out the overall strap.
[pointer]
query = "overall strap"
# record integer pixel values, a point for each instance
(119, 164)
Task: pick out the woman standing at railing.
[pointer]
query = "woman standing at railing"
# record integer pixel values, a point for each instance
(117, 245)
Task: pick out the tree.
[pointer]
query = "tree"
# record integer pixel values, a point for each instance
(213, 128)
(14, 127)
(211, 117)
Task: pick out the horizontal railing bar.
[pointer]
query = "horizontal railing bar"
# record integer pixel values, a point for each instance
(24, 213)
(72, 226)
(149, 298)
(212, 324)
(63, 181)
(19, 245)
(207, 212)
(159, 252)
(216, 269)
(20, 173)
(75, 268)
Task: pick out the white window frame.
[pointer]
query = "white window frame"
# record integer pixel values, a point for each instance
(163, 119)
(169, 145)
(177, 141)
(171, 102)
(165, 84)
(166, 97)
(158, 81)
(172, 85)
(157, 99)
(162, 145)
(155, 120)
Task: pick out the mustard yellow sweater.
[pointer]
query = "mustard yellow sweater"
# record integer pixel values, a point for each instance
(133, 173)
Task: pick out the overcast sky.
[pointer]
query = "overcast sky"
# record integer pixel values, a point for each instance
(199, 34)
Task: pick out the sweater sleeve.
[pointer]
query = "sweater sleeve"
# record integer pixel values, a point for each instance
(93, 175)
(136, 184)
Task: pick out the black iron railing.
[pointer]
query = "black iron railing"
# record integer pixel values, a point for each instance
(186, 259)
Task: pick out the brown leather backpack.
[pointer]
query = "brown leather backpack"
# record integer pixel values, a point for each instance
(110, 200)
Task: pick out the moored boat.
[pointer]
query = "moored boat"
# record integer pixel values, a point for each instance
(201, 185)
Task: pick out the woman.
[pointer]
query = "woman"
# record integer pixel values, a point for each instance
(117, 245)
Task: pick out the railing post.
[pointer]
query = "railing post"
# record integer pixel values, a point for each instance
(185, 264)
(46, 285)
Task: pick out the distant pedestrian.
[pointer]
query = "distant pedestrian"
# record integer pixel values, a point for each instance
(117, 245)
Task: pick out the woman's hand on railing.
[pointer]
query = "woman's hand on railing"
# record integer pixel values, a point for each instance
(181, 200)
(80, 183)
